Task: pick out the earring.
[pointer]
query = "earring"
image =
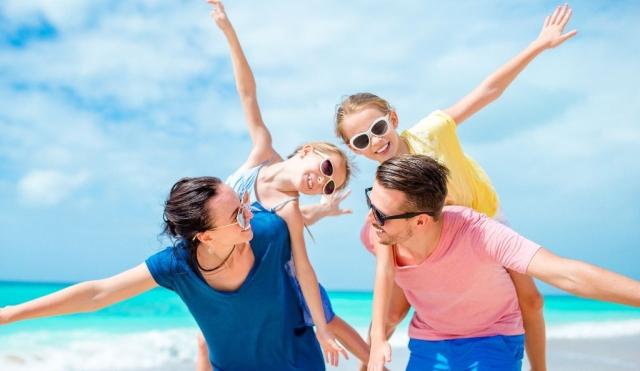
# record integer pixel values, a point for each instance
(209, 250)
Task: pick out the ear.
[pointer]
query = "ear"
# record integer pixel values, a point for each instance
(204, 237)
(424, 219)
(305, 150)
(393, 117)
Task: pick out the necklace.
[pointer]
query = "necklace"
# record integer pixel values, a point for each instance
(224, 261)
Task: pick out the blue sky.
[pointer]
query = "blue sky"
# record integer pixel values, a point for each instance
(104, 105)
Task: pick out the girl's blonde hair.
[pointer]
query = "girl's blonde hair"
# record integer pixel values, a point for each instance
(356, 103)
(328, 148)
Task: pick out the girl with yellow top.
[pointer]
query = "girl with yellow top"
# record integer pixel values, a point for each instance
(368, 124)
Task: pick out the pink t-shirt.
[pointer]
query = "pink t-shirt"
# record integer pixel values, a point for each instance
(462, 289)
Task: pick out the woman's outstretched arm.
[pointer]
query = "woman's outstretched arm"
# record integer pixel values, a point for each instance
(86, 296)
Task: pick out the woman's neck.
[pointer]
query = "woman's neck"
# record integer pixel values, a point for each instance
(232, 270)
(208, 256)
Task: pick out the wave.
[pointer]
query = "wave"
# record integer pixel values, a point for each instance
(172, 349)
(576, 330)
(96, 350)
(594, 330)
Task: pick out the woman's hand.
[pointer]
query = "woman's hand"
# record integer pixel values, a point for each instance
(551, 34)
(330, 347)
(219, 15)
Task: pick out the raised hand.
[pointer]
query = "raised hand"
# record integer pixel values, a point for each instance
(218, 14)
(551, 34)
(331, 203)
(330, 347)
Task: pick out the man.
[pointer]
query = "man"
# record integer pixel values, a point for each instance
(451, 262)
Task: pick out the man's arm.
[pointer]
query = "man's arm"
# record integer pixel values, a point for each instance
(380, 349)
(494, 85)
(583, 279)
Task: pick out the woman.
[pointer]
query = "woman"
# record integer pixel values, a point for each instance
(275, 184)
(225, 263)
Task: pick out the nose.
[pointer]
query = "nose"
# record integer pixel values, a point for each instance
(375, 141)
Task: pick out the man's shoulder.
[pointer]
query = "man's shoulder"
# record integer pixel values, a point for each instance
(462, 218)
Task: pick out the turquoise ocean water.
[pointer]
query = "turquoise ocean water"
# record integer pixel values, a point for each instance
(155, 329)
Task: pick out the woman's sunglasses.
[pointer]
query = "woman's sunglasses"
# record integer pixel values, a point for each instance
(241, 216)
(381, 218)
(326, 169)
(378, 128)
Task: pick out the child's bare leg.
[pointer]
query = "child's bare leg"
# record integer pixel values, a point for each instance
(202, 358)
(350, 338)
(531, 303)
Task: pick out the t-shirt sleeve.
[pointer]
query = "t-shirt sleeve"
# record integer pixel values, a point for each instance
(436, 132)
(163, 267)
(504, 245)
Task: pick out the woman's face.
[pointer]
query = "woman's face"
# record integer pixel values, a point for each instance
(381, 144)
(223, 210)
(319, 172)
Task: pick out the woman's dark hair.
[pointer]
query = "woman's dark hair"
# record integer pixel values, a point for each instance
(421, 178)
(186, 213)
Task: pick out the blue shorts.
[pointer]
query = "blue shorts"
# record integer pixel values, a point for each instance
(326, 303)
(496, 353)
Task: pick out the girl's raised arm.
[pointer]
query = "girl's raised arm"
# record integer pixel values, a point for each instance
(86, 296)
(246, 86)
(493, 86)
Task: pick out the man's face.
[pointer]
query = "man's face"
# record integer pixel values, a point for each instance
(389, 202)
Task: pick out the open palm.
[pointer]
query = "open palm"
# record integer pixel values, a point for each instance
(551, 34)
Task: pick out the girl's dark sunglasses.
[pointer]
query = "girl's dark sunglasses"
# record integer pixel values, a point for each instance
(381, 218)
(326, 168)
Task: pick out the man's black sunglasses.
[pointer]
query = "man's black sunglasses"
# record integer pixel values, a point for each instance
(381, 218)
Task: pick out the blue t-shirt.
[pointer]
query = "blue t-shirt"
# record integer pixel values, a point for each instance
(259, 325)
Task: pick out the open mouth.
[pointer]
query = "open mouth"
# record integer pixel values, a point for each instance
(383, 149)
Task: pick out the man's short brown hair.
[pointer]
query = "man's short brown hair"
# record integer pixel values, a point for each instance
(422, 179)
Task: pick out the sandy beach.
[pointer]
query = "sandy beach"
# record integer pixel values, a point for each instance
(620, 353)
(607, 354)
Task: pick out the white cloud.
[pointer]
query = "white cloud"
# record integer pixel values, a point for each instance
(131, 95)
(49, 187)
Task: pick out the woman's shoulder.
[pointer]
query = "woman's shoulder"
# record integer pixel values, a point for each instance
(170, 260)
